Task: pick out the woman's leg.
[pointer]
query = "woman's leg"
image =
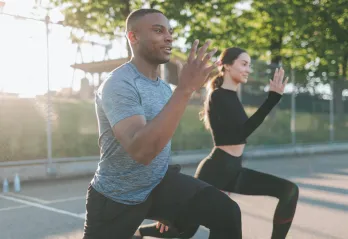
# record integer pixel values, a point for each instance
(251, 182)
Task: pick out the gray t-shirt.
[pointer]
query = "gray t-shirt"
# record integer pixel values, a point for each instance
(127, 92)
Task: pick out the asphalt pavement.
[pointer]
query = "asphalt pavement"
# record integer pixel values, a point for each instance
(55, 209)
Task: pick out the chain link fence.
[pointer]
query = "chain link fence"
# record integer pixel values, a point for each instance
(307, 113)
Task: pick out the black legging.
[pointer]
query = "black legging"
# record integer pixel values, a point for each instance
(199, 209)
(225, 172)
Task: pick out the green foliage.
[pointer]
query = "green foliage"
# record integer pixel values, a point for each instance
(23, 129)
(101, 17)
(75, 132)
(293, 32)
(324, 33)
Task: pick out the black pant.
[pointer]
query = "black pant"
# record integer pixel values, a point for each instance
(179, 200)
(225, 172)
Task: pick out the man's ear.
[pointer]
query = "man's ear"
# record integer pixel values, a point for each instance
(132, 37)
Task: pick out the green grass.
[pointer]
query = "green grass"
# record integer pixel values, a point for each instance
(191, 133)
(75, 133)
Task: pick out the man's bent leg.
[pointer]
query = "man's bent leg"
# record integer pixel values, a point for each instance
(183, 202)
(209, 208)
(106, 219)
(216, 211)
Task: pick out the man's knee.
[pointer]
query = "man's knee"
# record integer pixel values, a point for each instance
(233, 212)
(188, 233)
(229, 210)
(218, 212)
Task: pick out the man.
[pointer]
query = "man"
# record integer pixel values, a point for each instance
(137, 117)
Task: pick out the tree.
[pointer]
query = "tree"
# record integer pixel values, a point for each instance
(107, 17)
(310, 36)
(267, 26)
(324, 33)
(102, 18)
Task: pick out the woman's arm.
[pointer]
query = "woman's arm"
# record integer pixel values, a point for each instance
(259, 116)
(275, 93)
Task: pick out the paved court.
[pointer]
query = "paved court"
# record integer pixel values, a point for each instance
(55, 209)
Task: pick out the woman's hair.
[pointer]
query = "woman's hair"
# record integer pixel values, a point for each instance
(228, 56)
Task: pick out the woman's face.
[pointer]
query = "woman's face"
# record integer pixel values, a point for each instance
(240, 69)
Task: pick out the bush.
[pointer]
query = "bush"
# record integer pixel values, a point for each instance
(75, 133)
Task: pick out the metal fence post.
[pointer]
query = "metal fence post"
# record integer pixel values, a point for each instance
(293, 109)
(50, 169)
(332, 113)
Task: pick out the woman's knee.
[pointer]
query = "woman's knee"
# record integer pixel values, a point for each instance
(293, 191)
(296, 190)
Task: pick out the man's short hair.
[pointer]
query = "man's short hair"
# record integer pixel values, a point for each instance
(134, 16)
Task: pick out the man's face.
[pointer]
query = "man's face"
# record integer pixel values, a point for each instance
(153, 38)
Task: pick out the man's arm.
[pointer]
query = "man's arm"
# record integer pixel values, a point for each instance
(144, 141)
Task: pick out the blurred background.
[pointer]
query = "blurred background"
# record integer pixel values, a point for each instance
(54, 54)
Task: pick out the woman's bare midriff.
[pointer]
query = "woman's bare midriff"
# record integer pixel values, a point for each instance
(234, 150)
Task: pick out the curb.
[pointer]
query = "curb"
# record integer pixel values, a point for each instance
(33, 170)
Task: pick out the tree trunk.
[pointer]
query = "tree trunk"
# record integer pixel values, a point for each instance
(338, 100)
(153, 4)
(339, 85)
(275, 47)
(344, 66)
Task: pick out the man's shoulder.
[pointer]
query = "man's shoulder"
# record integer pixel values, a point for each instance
(123, 73)
(121, 77)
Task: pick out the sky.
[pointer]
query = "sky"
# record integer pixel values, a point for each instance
(23, 54)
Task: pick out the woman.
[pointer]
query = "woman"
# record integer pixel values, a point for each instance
(224, 116)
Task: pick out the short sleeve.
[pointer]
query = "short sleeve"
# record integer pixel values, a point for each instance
(120, 99)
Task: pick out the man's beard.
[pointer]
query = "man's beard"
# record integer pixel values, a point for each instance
(153, 58)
